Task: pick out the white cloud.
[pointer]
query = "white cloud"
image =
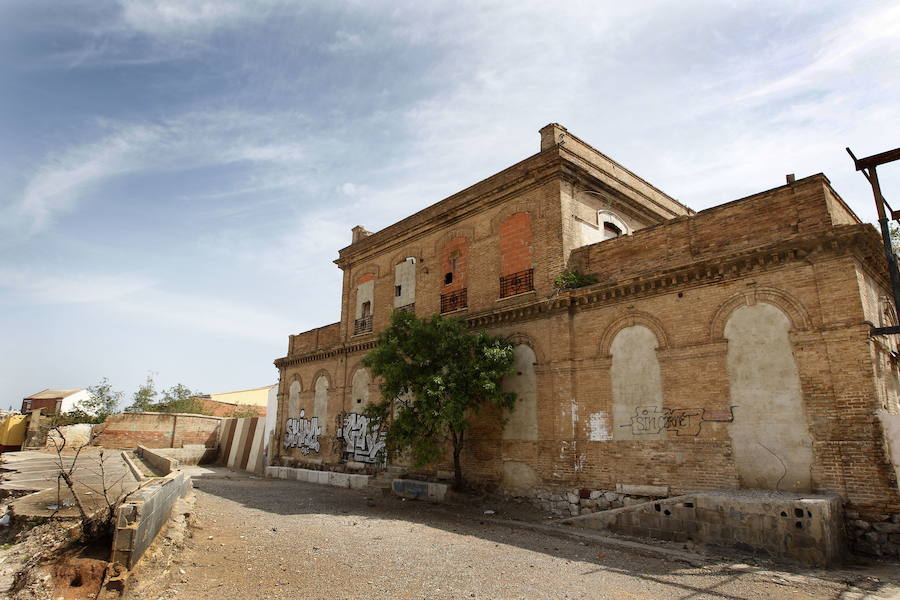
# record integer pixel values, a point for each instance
(189, 17)
(147, 300)
(180, 143)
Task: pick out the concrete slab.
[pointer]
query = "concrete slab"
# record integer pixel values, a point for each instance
(39, 471)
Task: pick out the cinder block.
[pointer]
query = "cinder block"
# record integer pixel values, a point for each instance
(322, 477)
(642, 490)
(339, 479)
(301, 474)
(357, 482)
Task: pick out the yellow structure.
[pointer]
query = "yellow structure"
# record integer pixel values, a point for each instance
(12, 430)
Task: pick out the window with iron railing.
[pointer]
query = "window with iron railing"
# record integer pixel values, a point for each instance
(454, 301)
(407, 307)
(363, 325)
(517, 283)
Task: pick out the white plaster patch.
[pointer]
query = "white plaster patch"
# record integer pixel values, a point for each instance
(598, 427)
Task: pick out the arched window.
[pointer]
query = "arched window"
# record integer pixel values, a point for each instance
(516, 267)
(522, 421)
(454, 263)
(405, 284)
(293, 407)
(772, 443)
(359, 393)
(320, 404)
(365, 295)
(636, 385)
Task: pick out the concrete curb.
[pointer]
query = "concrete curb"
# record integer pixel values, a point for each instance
(342, 480)
(691, 558)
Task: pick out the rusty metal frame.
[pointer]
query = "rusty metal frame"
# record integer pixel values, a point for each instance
(868, 166)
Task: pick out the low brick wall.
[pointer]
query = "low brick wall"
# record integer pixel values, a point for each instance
(140, 518)
(158, 430)
(805, 528)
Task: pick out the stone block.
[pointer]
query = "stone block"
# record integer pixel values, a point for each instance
(596, 494)
(339, 479)
(322, 477)
(642, 490)
(572, 497)
(272, 472)
(358, 482)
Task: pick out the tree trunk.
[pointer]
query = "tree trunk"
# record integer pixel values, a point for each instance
(457, 467)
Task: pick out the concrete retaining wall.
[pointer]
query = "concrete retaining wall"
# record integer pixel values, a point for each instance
(157, 459)
(346, 480)
(140, 518)
(805, 528)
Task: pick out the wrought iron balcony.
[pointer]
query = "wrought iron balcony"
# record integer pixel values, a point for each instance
(407, 307)
(363, 325)
(517, 283)
(454, 301)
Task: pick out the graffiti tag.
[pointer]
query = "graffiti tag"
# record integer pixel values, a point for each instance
(303, 433)
(683, 421)
(362, 442)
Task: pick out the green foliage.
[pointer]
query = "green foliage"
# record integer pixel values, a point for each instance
(103, 402)
(179, 399)
(435, 375)
(572, 278)
(242, 412)
(144, 397)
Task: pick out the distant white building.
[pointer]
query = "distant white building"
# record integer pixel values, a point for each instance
(55, 402)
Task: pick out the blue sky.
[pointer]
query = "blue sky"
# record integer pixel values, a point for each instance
(178, 175)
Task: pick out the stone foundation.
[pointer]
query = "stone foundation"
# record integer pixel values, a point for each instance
(874, 534)
(581, 501)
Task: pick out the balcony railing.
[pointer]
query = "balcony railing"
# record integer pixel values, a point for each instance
(454, 301)
(407, 307)
(517, 283)
(363, 325)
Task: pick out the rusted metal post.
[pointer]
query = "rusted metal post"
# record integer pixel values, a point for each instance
(868, 166)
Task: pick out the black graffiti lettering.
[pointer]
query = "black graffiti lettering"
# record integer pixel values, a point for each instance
(682, 421)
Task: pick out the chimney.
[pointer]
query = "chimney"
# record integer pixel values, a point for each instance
(552, 135)
(790, 178)
(359, 232)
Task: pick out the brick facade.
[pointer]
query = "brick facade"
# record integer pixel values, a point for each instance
(793, 258)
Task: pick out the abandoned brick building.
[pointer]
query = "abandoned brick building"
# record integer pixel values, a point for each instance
(727, 348)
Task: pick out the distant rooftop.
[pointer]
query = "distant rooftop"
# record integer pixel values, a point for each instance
(52, 394)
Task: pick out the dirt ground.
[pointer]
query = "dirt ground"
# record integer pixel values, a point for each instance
(260, 538)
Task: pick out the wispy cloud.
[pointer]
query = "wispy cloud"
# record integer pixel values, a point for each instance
(145, 299)
(194, 140)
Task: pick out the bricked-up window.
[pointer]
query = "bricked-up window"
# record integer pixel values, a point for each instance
(516, 272)
(454, 266)
(365, 296)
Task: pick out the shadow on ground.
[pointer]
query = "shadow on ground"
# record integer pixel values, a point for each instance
(284, 497)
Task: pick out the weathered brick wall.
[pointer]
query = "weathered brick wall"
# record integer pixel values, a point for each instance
(158, 430)
(796, 248)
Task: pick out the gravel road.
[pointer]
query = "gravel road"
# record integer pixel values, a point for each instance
(260, 538)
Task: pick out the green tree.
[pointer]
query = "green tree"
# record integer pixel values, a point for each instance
(103, 401)
(144, 397)
(179, 399)
(436, 375)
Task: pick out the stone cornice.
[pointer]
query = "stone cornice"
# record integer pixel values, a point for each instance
(857, 240)
(455, 208)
